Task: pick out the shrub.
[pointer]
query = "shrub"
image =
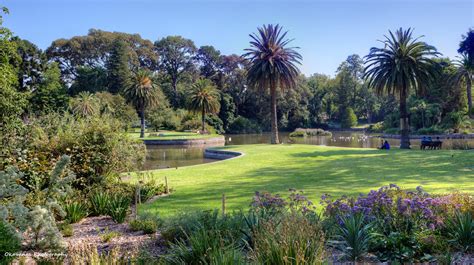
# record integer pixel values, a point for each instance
(461, 231)
(348, 119)
(430, 130)
(352, 237)
(118, 208)
(147, 226)
(244, 125)
(107, 236)
(75, 211)
(99, 202)
(376, 127)
(97, 148)
(9, 242)
(300, 132)
(291, 240)
(66, 229)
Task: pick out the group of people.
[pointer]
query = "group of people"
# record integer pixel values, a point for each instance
(428, 142)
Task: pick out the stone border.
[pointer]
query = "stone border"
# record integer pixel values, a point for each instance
(220, 154)
(203, 141)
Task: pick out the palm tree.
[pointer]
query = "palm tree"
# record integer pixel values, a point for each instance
(465, 73)
(204, 98)
(142, 93)
(85, 104)
(272, 66)
(404, 63)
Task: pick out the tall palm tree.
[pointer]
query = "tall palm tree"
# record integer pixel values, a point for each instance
(465, 73)
(404, 63)
(272, 66)
(85, 104)
(204, 98)
(142, 93)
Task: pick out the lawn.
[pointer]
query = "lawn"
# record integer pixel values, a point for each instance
(315, 169)
(172, 135)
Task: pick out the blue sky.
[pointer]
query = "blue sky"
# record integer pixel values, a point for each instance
(326, 31)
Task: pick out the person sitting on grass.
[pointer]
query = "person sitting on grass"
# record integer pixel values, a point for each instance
(385, 145)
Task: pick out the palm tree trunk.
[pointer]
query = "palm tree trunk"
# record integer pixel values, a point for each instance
(273, 95)
(203, 113)
(404, 124)
(142, 122)
(469, 95)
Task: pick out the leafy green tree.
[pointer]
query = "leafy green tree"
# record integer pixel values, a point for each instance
(204, 98)
(33, 64)
(51, 94)
(89, 79)
(93, 50)
(348, 119)
(209, 59)
(142, 93)
(403, 64)
(176, 58)
(85, 104)
(118, 72)
(272, 66)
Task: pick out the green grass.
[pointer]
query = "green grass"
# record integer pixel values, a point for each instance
(314, 169)
(172, 135)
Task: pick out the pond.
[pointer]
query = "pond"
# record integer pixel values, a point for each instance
(159, 156)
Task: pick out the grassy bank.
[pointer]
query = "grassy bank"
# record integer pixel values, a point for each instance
(314, 169)
(172, 135)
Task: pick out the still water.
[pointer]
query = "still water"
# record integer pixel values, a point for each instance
(159, 156)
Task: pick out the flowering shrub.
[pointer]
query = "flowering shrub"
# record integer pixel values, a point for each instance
(407, 226)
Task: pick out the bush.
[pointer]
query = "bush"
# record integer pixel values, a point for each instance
(107, 236)
(147, 226)
(118, 208)
(300, 132)
(97, 146)
(75, 211)
(9, 242)
(99, 202)
(66, 229)
(244, 125)
(377, 127)
(430, 130)
(461, 231)
(352, 237)
(290, 240)
(348, 119)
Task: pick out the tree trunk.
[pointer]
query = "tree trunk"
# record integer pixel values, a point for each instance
(142, 122)
(274, 120)
(469, 95)
(203, 120)
(174, 83)
(404, 124)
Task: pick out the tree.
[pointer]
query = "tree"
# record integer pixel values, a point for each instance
(272, 66)
(142, 93)
(176, 57)
(204, 98)
(51, 93)
(209, 60)
(118, 72)
(403, 64)
(33, 64)
(465, 73)
(466, 46)
(85, 104)
(90, 79)
(93, 50)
